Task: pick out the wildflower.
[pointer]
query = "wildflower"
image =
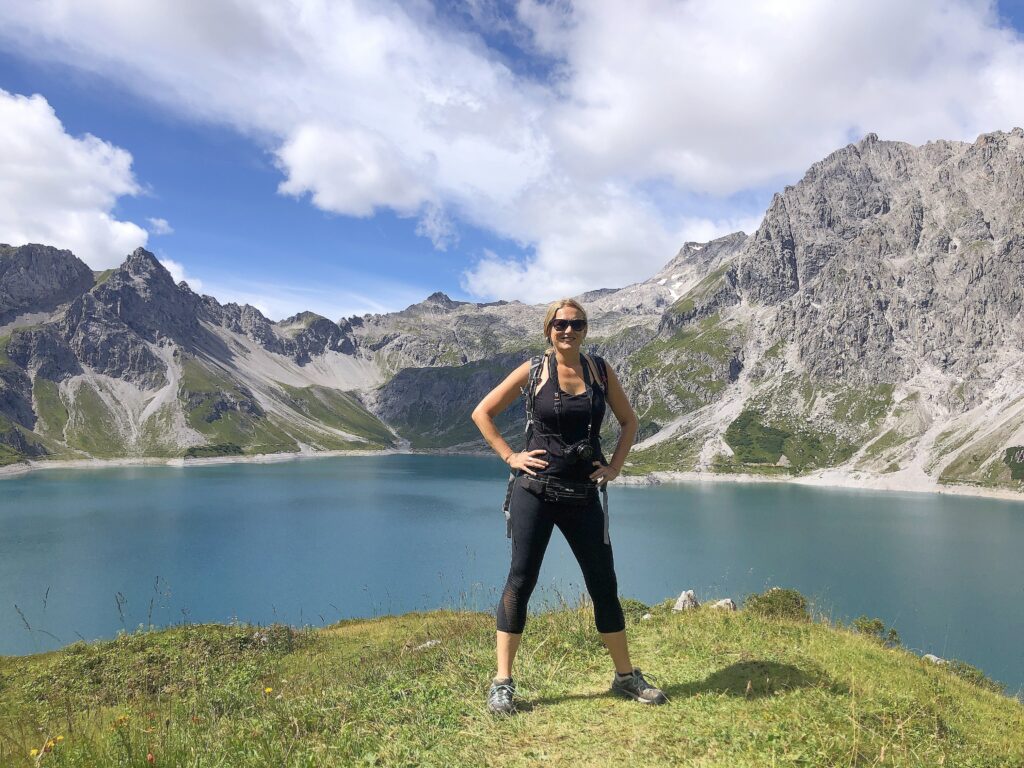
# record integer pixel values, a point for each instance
(60, 739)
(150, 757)
(33, 752)
(268, 690)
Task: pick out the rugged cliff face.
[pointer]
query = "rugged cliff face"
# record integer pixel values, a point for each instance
(134, 365)
(871, 325)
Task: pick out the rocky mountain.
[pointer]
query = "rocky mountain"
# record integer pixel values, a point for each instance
(870, 328)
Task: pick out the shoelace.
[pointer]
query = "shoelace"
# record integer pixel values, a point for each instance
(502, 692)
(639, 681)
(642, 684)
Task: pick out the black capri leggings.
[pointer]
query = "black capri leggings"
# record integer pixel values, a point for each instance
(583, 527)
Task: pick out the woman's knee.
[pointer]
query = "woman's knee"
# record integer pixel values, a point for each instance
(608, 616)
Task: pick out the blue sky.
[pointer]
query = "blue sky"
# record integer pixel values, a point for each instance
(355, 157)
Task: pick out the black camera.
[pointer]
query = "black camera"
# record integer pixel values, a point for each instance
(582, 450)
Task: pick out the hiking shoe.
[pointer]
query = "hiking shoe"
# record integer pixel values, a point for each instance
(499, 700)
(635, 687)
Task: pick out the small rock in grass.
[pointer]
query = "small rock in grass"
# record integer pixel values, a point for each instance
(724, 605)
(687, 601)
(934, 659)
(646, 616)
(426, 645)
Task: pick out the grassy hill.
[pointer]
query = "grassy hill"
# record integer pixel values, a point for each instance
(744, 689)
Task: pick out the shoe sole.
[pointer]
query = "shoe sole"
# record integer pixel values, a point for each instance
(627, 695)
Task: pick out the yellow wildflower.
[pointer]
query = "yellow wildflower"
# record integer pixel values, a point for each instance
(268, 690)
(60, 739)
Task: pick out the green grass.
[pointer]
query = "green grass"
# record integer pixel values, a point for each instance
(1014, 459)
(754, 442)
(968, 467)
(692, 367)
(7, 454)
(341, 410)
(208, 451)
(99, 278)
(863, 406)
(687, 303)
(201, 391)
(50, 408)
(432, 424)
(776, 349)
(891, 439)
(787, 420)
(672, 455)
(94, 429)
(745, 691)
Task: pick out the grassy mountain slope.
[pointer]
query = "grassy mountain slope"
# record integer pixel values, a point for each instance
(744, 691)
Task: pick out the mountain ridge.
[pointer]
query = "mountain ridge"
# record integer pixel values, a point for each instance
(871, 324)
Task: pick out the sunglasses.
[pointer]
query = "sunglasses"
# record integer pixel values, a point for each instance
(560, 324)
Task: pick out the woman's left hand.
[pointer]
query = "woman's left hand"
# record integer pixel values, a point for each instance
(604, 473)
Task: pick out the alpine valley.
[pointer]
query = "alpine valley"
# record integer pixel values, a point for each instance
(870, 329)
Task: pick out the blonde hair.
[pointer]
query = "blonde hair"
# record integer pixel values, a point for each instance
(553, 308)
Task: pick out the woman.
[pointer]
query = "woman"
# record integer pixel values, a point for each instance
(559, 475)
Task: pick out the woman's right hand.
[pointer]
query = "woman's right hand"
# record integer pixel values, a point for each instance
(527, 461)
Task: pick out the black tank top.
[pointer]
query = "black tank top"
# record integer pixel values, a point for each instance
(571, 426)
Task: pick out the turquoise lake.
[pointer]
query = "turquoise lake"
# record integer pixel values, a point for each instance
(86, 553)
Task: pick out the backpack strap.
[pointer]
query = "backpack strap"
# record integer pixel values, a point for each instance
(602, 370)
(530, 391)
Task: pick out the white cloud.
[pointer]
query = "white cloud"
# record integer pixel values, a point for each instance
(177, 270)
(383, 105)
(160, 227)
(350, 171)
(700, 230)
(438, 227)
(720, 97)
(60, 190)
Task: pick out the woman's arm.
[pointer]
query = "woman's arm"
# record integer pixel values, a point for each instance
(628, 423)
(496, 401)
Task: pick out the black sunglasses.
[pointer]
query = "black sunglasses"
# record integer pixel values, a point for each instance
(560, 324)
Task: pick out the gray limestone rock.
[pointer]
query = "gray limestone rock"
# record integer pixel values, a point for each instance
(43, 352)
(687, 601)
(39, 278)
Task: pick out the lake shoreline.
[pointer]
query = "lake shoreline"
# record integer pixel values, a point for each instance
(860, 481)
(829, 478)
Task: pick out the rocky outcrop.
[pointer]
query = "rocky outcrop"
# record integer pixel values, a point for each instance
(39, 278)
(319, 336)
(107, 345)
(247, 321)
(16, 397)
(687, 601)
(888, 257)
(872, 320)
(142, 295)
(43, 352)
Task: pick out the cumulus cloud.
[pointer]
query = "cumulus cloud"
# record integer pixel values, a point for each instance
(388, 105)
(59, 189)
(160, 227)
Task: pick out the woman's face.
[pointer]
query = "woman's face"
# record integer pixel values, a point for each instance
(567, 339)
